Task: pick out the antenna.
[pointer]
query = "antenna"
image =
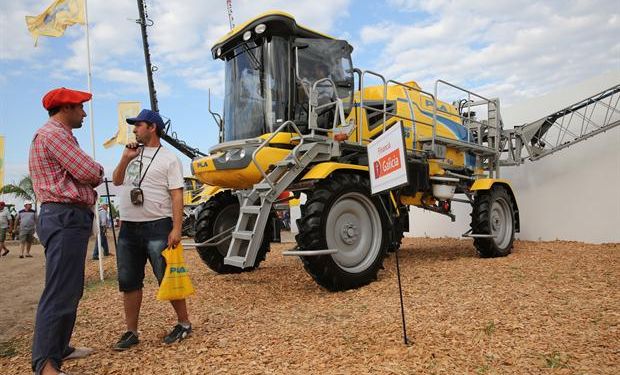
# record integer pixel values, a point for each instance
(231, 20)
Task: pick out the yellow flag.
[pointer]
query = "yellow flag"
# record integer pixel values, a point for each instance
(124, 134)
(56, 18)
(1, 161)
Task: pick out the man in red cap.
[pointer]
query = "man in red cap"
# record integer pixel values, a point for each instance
(64, 178)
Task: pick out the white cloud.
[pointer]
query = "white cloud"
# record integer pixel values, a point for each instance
(180, 39)
(504, 48)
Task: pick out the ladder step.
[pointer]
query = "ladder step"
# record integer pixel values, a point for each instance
(243, 235)
(254, 210)
(236, 261)
(262, 186)
(285, 163)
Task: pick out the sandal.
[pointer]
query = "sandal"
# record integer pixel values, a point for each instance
(21, 256)
(28, 256)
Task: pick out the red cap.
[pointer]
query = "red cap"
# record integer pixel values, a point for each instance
(62, 96)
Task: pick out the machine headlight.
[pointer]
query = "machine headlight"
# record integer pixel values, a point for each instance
(218, 52)
(259, 29)
(247, 35)
(242, 153)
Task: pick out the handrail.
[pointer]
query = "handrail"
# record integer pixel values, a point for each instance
(384, 96)
(268, 140)
(469, 93)
(411, 104)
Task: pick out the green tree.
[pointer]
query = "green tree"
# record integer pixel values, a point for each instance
(23, 189)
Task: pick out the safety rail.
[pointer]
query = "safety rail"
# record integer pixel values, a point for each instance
(493, 138)
(268, 140)
(410, 103)
(313, 107)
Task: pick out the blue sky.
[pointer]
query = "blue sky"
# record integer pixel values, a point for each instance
(507, 49)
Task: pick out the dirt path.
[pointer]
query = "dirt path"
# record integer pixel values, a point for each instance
(21, 284)
(550, 307)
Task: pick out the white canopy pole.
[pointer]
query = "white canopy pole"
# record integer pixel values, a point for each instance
(92, 141)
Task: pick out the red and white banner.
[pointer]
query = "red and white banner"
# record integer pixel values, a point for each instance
(386, 158)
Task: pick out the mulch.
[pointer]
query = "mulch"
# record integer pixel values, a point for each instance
(550, 307)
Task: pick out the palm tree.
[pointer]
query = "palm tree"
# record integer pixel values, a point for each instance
(23, 189)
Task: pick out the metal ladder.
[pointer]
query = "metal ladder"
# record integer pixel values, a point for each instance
(256, 205)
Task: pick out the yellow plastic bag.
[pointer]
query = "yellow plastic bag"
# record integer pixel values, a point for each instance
(176, 283)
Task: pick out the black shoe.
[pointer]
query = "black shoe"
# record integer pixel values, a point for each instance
(95, 258)
(128, 340)
(178, 333)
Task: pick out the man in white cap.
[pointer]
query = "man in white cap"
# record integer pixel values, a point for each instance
(26, 220)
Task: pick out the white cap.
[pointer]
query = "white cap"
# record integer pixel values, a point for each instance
(27, 202)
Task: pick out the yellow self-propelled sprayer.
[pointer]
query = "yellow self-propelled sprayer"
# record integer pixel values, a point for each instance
(298, 117)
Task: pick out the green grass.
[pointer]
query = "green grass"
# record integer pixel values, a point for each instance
(483, 369)
(8, 348)
(95, 284)
(489, 329)
(556, 360)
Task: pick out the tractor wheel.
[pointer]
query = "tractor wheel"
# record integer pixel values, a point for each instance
(188, 228)
(341, 214)
(216, 216)
(401, 224)
(493, 213)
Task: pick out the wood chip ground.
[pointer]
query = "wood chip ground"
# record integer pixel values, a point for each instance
(548, 308)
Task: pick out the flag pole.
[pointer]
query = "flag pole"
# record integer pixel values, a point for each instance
(92, 141)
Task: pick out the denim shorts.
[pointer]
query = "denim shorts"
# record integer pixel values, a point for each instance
(137, 242)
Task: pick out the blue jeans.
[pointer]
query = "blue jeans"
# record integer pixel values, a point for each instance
(137, 242)
(104, 244)
(63, 230)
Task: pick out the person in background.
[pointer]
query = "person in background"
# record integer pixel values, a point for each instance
(104, 219)
(151, 214)
(25, 223)
(64, 178)
(5, 223)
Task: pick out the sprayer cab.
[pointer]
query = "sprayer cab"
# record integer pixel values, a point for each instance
(271, 64)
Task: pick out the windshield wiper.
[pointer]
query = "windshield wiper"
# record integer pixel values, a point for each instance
(254, 61)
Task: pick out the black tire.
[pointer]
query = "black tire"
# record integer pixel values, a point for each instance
(493, 213)
(189, 226)
(401, 224)
(340, 213)
(215, 216)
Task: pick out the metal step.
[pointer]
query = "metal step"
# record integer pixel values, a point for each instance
(287, 163)
(262, 186)
(253, 210)
(243, 235)
(236, 261)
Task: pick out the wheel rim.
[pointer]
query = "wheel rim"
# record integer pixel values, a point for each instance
(353, 226)
(224, 221)
(501, 222)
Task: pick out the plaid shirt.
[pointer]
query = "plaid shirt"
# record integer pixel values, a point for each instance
(60, 170)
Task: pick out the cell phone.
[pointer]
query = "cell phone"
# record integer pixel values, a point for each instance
(135, 146)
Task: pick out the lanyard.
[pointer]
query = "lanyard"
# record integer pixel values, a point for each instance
(147, 167)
